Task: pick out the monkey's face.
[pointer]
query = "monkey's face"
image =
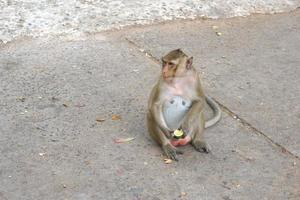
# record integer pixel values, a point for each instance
(174, 68)
(169, 69)
(175, 64)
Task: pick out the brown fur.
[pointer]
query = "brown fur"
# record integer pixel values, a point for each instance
(179, 78)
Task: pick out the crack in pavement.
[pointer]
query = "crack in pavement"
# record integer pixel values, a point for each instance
(223, 107)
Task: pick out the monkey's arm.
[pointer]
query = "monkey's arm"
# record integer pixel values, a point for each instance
(156, 112)
(156, 125)
(193, 115)
(193, 125)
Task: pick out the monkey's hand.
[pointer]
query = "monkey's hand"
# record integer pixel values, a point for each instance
(171, 151)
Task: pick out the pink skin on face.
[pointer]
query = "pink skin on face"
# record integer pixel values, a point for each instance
(181, 142)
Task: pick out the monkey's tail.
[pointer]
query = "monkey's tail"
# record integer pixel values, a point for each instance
(216, 110)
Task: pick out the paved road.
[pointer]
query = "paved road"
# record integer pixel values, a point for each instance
(75, 18)
(53, 91)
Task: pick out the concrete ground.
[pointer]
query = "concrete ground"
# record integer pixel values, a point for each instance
(58, 98)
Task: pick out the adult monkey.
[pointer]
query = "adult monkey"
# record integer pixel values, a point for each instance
(177, 103)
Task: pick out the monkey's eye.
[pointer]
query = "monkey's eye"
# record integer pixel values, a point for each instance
(171, 64)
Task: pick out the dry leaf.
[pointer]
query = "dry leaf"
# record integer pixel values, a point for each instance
(243, 155)
(79, 105)
(123, 140)
(87, 162)
(236, 184)
(99, 119)
(65, 105)
(54, 99)
(116, 117)
(168, 161)
(22, 99)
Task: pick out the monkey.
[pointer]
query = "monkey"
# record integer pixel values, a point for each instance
(179, 82)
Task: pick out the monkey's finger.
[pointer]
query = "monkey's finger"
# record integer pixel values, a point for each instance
(174, 156)
(171, 154)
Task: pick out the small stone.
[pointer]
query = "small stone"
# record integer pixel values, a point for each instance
(183, 194)
(167, 161)
(42, 154)
(218, 33)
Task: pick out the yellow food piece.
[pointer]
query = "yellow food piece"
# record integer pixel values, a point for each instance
(178, 133)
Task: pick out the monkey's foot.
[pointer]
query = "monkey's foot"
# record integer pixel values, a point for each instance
(181, 142)
(171, 151)
(201, 146)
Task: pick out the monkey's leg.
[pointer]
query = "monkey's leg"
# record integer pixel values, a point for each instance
(198, 141)
(157, 134)
(193, 125)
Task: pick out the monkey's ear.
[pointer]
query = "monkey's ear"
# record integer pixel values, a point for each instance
(189, 63)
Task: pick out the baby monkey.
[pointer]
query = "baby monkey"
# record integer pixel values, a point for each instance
(176, 103)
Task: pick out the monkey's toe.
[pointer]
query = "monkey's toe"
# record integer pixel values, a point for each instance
(201, 146)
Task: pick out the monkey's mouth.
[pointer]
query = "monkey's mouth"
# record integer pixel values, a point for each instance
(167, 77)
